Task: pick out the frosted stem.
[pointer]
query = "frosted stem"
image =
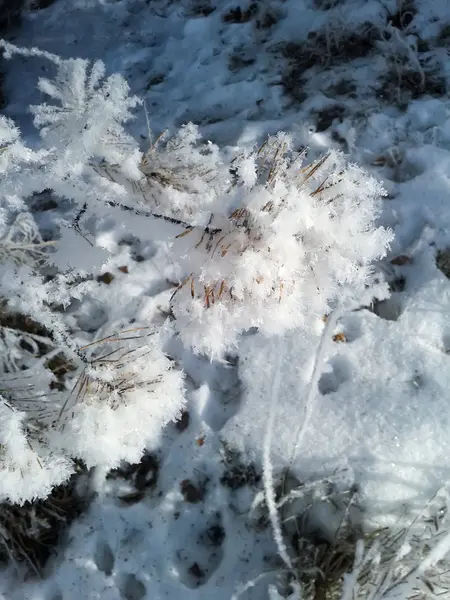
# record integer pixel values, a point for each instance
(269, 488)
(311, 396)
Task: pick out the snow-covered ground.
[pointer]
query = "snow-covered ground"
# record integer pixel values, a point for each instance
(365, 76)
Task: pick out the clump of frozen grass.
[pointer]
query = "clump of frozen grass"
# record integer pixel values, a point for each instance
(297, 239)
(120, 391)
(29, 533)
(410, 562)
(318, 555)
(191, 169)
(178, 177)
(124, 388)
(341, 561)
(21, 241)
(126, 392)
(122, 395)
(410, 73)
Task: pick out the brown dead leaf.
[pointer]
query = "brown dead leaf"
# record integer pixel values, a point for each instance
(339, 338)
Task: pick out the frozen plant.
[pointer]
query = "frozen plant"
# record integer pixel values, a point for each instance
(120, 390)
(294, 240)
(120, 398)
(126, 392)
(183, 176)
(267, 240)
(409, 562)
(178, 177)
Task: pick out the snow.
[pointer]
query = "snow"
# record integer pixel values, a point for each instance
(380, 395)
(380, 412)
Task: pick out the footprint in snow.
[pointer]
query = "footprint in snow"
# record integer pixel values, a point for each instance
(389, 309)
(350, 325)
(196, 563)
(104, 557)
(339, 371)
(131, 588)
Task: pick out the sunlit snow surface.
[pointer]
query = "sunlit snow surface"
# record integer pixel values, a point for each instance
(382, 409)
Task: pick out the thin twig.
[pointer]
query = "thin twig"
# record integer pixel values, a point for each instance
(152, 215)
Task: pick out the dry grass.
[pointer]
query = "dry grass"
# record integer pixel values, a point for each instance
(162, 169)
(384, 563)
(115, 355)
(241, 232)
(31, 533)
(33, 367)
(402, 83)
(333, 557)
(323, 50)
